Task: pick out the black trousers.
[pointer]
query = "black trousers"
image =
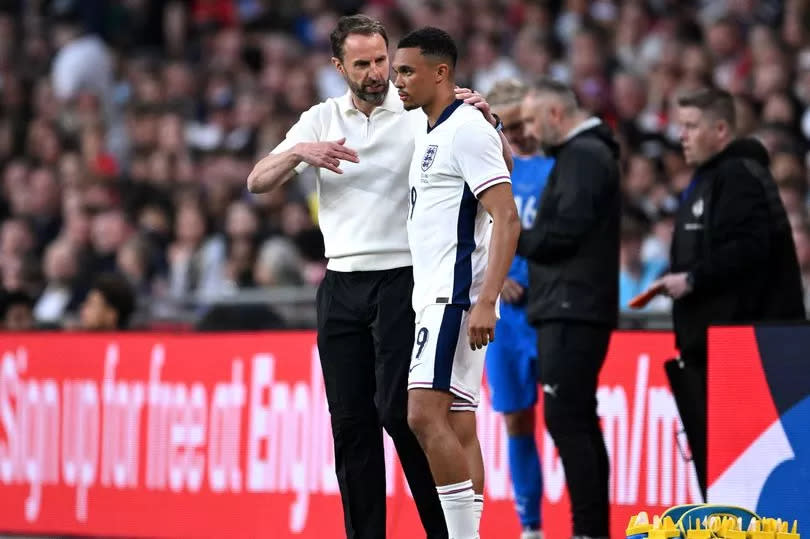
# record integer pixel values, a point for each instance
(570, 356)
(365, 337)
(688, 380)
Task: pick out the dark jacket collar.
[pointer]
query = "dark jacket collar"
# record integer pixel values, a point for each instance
(744, 148)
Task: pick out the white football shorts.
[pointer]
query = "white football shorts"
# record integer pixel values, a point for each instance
(442, 358)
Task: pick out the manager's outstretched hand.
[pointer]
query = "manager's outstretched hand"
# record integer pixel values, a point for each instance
(327, 154)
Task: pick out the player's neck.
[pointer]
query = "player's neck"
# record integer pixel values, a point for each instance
(435, 108)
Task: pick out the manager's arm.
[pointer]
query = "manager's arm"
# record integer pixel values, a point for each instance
(277, 168)
(300, 148)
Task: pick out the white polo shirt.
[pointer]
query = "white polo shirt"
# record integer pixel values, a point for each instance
(362, 212)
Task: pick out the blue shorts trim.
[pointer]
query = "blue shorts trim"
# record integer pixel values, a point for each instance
(446, 346)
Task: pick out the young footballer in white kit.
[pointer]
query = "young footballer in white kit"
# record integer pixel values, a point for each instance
(463, 228)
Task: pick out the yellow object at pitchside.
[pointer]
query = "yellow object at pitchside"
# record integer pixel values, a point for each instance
(709, 521)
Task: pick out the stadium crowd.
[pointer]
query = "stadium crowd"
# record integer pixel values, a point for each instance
(128, 128)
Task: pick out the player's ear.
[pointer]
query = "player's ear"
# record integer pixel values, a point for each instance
(338, 65)
(442, 72)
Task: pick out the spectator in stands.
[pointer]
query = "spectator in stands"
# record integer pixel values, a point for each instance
(109, 304)
(109, 231)
(17, 311)
(180, 97)
(630, 98)
(279, 264)
(133, 260)
(76, 231)
(226, 257)
(489, 66)
(16, 238)
(61, 267)
(635, 273)
(793, 192)
(801, 237)
(656, 246)
(638, 183)
(185, 255)
(534, 54)
(45, 205)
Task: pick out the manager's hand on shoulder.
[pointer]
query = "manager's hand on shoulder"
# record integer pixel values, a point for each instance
(471, 97)
(327, 154)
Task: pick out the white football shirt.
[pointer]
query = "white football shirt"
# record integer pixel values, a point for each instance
(448, 230)
(362, 212)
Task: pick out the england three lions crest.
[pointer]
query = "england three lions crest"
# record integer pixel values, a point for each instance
(429, 157)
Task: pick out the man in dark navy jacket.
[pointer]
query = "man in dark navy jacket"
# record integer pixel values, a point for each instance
(732, 257)
(573, 253)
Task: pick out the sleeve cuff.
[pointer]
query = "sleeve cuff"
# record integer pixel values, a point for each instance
(486, 184)
(695, 278)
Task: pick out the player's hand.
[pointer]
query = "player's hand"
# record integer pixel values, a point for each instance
(475, 99)
(326, 154)
(481, 325)
(675, 285)
(512, 291)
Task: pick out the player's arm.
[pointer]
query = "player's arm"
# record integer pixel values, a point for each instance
(299, 149)
(500, 204)
(478, 152)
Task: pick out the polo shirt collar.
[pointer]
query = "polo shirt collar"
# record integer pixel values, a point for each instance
(391, 103)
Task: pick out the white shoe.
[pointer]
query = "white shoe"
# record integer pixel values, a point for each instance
(531, 534)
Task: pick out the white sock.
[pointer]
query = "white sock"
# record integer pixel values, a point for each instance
(458, 505)
(479, 510)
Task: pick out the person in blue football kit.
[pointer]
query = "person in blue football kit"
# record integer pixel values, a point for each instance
(511, 361)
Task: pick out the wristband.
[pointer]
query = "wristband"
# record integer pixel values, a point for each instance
(498, 123)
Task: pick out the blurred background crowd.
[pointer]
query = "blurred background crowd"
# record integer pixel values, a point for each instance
(128, 128)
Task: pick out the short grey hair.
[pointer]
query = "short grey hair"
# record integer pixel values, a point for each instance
(507, 92)
(560, 90)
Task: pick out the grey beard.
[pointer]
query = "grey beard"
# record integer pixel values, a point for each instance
(374, 98)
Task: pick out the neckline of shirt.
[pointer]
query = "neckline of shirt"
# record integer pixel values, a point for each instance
(448, 110)
(392, 103)
(586, 124)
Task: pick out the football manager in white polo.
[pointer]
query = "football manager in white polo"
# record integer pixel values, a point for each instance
(361, 145)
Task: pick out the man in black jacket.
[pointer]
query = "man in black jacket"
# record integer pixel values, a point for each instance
(573, 253)
(732, 257)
